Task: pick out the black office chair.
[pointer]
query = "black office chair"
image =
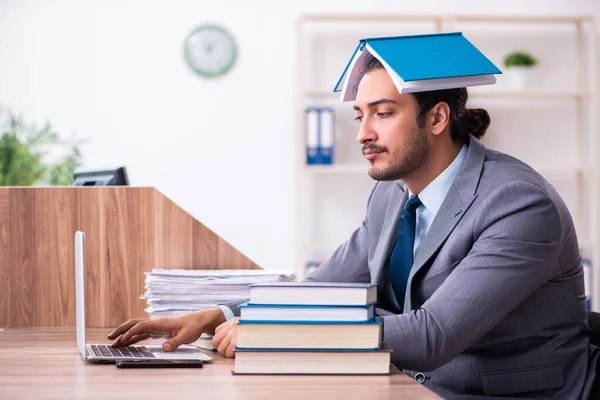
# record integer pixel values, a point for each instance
(594, 324)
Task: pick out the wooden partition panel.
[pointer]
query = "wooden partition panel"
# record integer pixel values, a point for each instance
(128, 231)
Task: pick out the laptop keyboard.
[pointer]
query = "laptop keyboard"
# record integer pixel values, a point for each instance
(104, 350)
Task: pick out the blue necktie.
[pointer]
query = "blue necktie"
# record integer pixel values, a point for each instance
(401, 259)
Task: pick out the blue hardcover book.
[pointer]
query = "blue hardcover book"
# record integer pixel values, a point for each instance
(418, 63)
(296, 312)
(314, 293)
(310, 335)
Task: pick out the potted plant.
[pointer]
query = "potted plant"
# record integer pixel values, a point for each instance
(518, 64)
(24, 155)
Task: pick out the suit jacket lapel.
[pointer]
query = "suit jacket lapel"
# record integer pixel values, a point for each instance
(459, 198)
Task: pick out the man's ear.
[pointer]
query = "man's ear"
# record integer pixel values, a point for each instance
(440, 116)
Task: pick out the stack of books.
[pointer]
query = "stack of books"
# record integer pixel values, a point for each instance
(311, 328)
(177, 291)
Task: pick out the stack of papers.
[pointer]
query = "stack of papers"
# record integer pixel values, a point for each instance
(176, 291)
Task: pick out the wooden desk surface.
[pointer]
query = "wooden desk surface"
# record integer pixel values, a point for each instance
(42, 363)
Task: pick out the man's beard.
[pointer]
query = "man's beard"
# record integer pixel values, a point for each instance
(404, 160)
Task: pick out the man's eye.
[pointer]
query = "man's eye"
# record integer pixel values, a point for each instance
(358, 118)
(384, 114)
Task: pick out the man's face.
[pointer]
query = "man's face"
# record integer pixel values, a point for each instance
(393, 143)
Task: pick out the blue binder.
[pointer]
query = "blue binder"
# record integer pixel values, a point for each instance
(320, 138)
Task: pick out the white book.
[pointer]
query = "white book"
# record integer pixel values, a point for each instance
(277, 362)
(313, 293)
(278, 312)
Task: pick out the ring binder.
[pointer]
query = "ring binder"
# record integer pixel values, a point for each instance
(320, 135)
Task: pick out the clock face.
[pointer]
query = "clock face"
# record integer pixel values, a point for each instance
(210, 50)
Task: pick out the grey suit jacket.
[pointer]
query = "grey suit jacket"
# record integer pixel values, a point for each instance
(495, 303)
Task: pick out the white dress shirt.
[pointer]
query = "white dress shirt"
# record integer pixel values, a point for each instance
(226, 311)
(432, 197)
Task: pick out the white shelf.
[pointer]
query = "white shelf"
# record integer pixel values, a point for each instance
(521, 19)
(567, 171)
(335, 169)
(378, 18)
(525, 94)
(513, 94)
(578, 181)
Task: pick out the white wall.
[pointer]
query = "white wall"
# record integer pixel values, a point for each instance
(112, 72)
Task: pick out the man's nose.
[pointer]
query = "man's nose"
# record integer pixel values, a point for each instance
(366, 133)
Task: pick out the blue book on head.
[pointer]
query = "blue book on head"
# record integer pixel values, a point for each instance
(419, 63)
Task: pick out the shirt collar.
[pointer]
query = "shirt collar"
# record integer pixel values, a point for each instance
(433, 195)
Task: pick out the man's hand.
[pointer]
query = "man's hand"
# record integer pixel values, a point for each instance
(225, 337)
(180, 329)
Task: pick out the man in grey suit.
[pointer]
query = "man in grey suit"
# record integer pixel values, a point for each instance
(492, 302)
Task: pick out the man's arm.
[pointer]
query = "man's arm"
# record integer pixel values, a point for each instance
(515, 252)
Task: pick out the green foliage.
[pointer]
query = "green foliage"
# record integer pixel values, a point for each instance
(519, 58)
(24, 151)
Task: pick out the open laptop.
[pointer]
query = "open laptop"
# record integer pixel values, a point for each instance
(105, 352)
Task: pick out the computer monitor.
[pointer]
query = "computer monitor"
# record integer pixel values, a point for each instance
(108, 177)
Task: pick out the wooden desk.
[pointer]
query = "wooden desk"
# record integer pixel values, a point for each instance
(43, 363)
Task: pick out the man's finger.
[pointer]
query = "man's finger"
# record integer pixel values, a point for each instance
(224, 345)
(218, 337)
(230, 352)
(135, 339)
(184, 336)
(117, 342)
(143, 327)
(124, 327)
(223, 326)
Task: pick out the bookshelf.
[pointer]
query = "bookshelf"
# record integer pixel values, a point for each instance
(550, 124)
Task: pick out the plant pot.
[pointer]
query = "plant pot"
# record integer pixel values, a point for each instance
(518, 77)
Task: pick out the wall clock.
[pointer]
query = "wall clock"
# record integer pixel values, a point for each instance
(210, 50)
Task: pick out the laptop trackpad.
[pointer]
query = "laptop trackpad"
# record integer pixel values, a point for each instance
(183, 352)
